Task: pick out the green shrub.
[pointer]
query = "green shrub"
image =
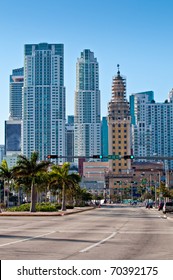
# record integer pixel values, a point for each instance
(46, 207)
(40, 207)
(22, 207)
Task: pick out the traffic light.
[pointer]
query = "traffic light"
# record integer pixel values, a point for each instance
(128, 157)
(52, 156)
(97, 156)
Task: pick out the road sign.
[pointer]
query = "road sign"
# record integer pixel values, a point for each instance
(114, 157)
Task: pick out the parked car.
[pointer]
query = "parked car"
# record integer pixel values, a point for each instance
(160, 207)
(168, 207)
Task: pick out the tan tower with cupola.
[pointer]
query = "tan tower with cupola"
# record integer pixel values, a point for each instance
(119, 127)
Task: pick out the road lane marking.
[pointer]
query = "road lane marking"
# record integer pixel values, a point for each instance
(98, 243)
(146, 232)
(26, 239)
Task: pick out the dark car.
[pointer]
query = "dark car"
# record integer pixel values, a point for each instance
(160, 207)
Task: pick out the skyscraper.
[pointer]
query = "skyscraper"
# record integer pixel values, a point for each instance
(119, 126)
(13, 125)
(141, 128)
(87, 126)
(160, 117)
(153, 132)
(138, 100)
(15, 98)
(43, 128)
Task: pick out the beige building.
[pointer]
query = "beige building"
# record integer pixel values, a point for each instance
(95, 170)
(119, 127)
(119, 145)
(94, 176)
(151, 172)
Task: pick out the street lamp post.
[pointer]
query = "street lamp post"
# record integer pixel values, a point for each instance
(155, 192)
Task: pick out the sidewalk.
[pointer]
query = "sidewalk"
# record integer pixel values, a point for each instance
(58, 213)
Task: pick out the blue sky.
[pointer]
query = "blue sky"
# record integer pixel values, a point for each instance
(137, 34)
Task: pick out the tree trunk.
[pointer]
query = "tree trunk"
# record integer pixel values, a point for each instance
(33, 197)
(18, 194)
(63, 208)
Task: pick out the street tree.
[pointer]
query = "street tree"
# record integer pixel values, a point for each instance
(30, 168)
(63, 179)
(6, 174)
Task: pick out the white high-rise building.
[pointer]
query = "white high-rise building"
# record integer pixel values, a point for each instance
(141, 128)
(160, 116)
(152, 133)
(43, 115)
(87, 122)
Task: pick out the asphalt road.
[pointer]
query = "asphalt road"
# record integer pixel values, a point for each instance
(111, 233)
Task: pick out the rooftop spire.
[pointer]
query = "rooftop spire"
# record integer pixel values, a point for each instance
(118, 69)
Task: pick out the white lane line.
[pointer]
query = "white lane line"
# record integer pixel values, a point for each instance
(26, 239)
(146, 232)
(98, 243)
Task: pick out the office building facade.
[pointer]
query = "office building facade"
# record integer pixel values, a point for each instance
(87, 122)
(137, 102)
(13, 125)
(69, 132)
(160, 116)
(12, 137)
(43, 127)
(104, 138)
(158, 119)
(2, 152)
(141, 128)
(15, 94)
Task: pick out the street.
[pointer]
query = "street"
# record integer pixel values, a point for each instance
(108, 233)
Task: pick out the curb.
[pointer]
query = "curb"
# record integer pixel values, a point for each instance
(43, 214)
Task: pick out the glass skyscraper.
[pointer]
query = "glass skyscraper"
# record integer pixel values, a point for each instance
(87, 123)
(43, 128)
(13, 125)
(15, 99)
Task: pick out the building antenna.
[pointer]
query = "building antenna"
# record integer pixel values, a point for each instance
(118, 69)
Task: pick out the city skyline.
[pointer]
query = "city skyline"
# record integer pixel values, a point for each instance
(118, 32)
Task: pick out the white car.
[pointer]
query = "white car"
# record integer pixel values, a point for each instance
(168, 207)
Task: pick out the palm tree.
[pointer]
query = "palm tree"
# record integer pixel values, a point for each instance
(42, 183)
(6, 175)
(30, 168)
(64, 180)
(24, 184)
